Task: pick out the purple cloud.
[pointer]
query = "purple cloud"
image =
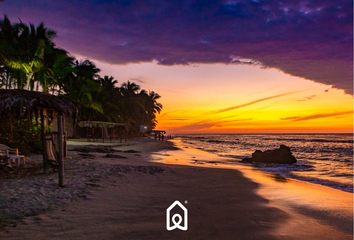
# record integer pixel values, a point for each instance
(310, 39)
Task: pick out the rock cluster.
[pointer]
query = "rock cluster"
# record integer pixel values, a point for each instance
(280, 155)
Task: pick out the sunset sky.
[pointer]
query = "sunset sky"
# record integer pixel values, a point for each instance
(219, 66)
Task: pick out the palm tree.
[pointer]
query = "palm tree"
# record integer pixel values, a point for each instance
(140, 107)
(157, 107)
(108, 83)
(87, 69)
(81, 88)
(111, 99)
(151, 108)
(131, 104)
(29, 59)
(130, 88)
(8, 49)
(58, 65)
(8, 39)
(23, 48)
(33, 43)
(81, 91)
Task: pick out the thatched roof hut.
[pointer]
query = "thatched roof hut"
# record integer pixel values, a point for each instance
(17, 102)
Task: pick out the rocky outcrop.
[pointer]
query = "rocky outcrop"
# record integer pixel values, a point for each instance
(280, 155)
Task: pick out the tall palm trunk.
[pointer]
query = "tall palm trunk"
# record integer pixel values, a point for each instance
(29, 77)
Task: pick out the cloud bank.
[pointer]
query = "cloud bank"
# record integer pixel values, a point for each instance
(251, 103)
(316, 116)
(310, 39)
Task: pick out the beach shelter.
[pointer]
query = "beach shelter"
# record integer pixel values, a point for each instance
(18, 103)
(103, 128)
(158, 133)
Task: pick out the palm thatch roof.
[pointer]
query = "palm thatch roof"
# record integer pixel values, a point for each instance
(158, 131)
(18, 102)
(100, 124)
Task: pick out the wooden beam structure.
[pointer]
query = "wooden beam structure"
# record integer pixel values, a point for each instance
(61, 151)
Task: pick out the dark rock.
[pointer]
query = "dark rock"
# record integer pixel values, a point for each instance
(87, 155)
(132, 151)
(103, 149)
(280, 155)
(247, 160)
(99, 149)
(81, 149)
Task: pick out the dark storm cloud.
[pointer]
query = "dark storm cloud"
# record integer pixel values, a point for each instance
(310, 39)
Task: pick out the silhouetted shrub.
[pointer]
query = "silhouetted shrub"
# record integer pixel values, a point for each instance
(25, 137)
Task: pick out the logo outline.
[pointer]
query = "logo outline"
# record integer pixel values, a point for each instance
(184, 227)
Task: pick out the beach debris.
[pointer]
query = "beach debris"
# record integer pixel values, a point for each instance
(7, 169)
(281, 155)
(114, 156)
(197, 162)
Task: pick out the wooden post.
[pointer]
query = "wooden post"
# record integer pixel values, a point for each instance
(61, 151)
(44, 150)
(65, 143)
(102, 134)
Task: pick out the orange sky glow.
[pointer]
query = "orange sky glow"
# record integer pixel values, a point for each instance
(233, 98)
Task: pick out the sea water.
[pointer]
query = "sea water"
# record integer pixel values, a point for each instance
(325, 159)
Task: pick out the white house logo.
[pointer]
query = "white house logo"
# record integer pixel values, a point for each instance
(177, 218)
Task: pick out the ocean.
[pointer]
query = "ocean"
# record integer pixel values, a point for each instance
(325, 159)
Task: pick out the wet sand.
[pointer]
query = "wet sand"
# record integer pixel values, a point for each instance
(317, 211)
(222, 203)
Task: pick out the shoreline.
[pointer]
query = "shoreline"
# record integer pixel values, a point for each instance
(324, 159)
(146, 185)
(335, 206)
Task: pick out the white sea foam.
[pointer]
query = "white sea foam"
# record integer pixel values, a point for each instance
(325, 159)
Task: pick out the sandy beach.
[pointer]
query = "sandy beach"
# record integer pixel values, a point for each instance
(125, 196)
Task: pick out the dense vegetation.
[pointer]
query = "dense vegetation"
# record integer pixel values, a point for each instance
(30, 60)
